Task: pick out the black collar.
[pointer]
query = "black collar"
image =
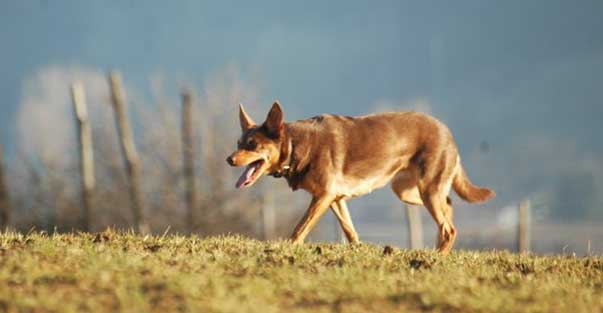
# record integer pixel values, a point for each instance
(286, 169)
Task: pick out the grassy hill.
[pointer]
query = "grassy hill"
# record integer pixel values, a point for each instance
(110, 272)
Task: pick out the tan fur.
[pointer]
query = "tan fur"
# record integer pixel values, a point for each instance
(336, 158)
(467, 191)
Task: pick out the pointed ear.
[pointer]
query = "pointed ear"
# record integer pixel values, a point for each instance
(246, 121)
(274, 120)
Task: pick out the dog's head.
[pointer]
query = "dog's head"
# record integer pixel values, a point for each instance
(259, 147)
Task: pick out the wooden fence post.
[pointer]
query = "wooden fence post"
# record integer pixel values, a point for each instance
(86, 154)
(267, 212)
(188, 157)
(415, 228)
(4, 200)
(128, 149)
(523, 231)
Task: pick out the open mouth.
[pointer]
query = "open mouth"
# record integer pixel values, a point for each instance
(251, 174)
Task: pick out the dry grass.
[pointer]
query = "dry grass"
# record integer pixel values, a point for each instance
(111, 271)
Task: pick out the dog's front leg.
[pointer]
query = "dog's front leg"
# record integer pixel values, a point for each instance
(317, 208)
(340, 209)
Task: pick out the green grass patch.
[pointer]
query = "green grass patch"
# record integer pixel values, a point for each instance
(111, 271)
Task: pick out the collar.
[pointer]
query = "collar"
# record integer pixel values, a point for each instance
(286, 165)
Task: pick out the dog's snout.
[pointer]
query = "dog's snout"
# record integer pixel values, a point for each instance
(230, 161)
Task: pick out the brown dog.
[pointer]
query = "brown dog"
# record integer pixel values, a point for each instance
(335, 158)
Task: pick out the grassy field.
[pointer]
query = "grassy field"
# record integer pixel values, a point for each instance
(110, 272)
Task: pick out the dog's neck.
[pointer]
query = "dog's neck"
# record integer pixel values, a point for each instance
(286, 160)
(294, 160)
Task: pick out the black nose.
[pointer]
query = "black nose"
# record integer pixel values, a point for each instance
(230, 161)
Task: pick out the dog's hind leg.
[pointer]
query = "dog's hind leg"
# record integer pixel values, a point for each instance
(448, 211)
(436, 204)
(317, 208)
(340, 209)
(404, 185)
(434, 187)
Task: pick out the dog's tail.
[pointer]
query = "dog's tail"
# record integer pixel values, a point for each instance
(468, 191)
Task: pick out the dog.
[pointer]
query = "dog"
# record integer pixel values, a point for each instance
(336, 158)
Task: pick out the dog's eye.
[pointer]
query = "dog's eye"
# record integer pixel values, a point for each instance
(250, 143)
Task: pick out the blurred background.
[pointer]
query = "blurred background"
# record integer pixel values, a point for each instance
(519, 83)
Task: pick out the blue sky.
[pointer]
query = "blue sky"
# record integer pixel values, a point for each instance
(525, 77)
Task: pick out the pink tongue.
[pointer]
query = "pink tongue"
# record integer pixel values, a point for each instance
(246, 176)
